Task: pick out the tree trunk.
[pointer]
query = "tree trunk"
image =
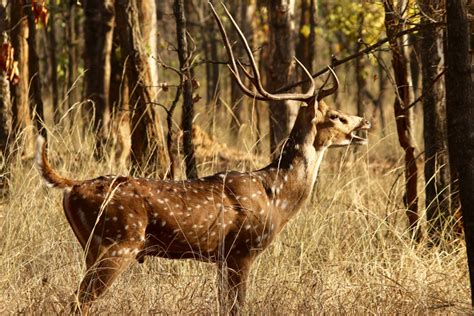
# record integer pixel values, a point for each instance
(460, 118)
(206, 43)
(34, 79)
(237, 99)
(21, 110)
(305, 50)
(188, 106)
(54, 64)
(143, 153)
(149, 30)
(216, 80)
(5, 101)
(243, 12)
(5, 106)
(282, 114)
(380, 104)
(361, 82)
(72, 53)
(434, 129)
(403, 115)
(98, 31)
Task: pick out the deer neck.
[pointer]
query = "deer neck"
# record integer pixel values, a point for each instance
(292, 174)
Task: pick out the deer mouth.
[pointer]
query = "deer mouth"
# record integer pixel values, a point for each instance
(358, 135)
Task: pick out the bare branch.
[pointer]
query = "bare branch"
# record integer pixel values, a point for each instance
(337, 62)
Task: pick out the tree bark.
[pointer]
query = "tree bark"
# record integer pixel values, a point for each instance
(149, 31)
(460, 118)
(306, 48)
(98, 31)
(36, 97)
(434, 117)
(236, 96)
(403, 115)
(54, 63)
(361, 82)
(243, 12)
(5, 106)
(188, 105)
(282, 114)
(72, 53)
(143, 153)
(5, 101)
(21, 110)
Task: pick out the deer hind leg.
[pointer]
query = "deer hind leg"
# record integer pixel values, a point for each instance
(232, 285)
(101, 273)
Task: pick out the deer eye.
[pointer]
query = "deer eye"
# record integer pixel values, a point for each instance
(343, 120)
(333, 117)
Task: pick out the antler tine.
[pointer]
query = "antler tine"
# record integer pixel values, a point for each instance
(233, 66)
(324, 93)
(261, 93)
(312, 89)
(253, 63)
(247, 73)
(256, 78)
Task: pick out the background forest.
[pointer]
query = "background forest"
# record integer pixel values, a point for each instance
(142, 88)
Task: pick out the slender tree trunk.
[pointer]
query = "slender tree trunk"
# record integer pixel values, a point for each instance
(72, 53)
(206, 47)
(33, 65)
(403, 116)
(5, 106)
(415, 59)
(216, 80)
(21, 110)
(5, 100)
(120, 105)
(382, 89)
(243, 14)
(460, 118)
(282, 114)
(236, 97)
(139, 79)
(434, 129)
(306, 48)
(188, 106)
(54, 64)
(361, 82)
(98, 28)
(149, 30)
(470, 10)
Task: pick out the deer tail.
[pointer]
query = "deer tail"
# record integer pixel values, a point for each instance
(51, 177)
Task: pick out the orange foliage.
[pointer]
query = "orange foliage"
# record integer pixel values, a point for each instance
(8, 64)
(40, 11)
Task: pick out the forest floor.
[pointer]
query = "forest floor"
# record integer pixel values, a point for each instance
(347, 251)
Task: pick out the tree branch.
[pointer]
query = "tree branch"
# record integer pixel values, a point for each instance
(337, 62)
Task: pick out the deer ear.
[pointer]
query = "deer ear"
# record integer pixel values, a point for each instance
(317, 113)
(322, 106)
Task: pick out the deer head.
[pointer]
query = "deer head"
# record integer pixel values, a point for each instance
(336, 129)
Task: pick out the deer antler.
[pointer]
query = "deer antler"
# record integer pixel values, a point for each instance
(322, 93)
(261, 93)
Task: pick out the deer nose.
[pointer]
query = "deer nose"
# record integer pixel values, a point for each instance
(365, 123)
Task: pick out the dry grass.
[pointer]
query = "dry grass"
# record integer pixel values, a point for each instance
(346, 252)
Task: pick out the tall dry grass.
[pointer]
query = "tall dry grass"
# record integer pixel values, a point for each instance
(346, 252)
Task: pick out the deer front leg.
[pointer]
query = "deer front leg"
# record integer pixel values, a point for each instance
(100, 275)
(232, 284)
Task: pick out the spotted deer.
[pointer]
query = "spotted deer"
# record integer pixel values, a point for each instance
(228, 218)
